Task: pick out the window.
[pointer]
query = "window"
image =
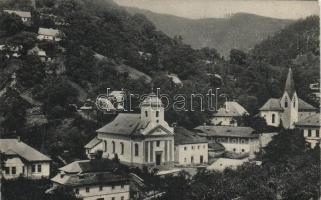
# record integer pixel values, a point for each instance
(87, 189)
(122, 186)
(185, 148)
(233, 140)
(39, 168)
(100, 188)
(146, 114)
(113, 198)
(157, 143)
(105, 146)
(242, 141)
(294, 102)
(100, 199)
(286, 102)
(193, 147)
(112, 187)
(234, 149)
(23, 169)
(317, 133)
(309, 133)
(122, 148)
(273, 118)
(243, 150)
(136, 150)
(198, 147)
(114, 146)
(157, 113)
(7, 170)
(204, 146)
(192, 159)
(122, 198)
(33, 168)
(77, 191)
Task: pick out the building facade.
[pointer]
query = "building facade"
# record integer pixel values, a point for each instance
(138, 139)
(190, 149)
(310, 128)
(287, 110)
(23, 160)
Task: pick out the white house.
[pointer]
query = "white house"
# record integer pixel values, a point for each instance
(228, 115)
(25, 16)
(288, 109)
(190, 149)
(93, 180)
(49, 34)
(310, 127)
(138, 139)
(23, 160)
(222, 163)
(236, 140)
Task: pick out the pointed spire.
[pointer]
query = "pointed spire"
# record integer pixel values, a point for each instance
(289, 84)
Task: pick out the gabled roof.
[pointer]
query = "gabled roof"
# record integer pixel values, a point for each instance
(87, 166)
(19, 13)
(231, 109)
(14, 146)
(313, 120)
(272, 104)
(48, 31)
(289, 84)
(184, 136)
(95, 141)
(227, 131)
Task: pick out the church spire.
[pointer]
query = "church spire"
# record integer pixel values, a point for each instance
(289, 84)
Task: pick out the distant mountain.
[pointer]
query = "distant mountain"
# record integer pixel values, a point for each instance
(242, 31)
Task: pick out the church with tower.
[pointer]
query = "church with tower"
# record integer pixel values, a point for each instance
(287, 110)
(142, 139)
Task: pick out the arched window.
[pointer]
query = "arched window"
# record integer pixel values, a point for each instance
(146, 114)
(273, 118)
(122, 148)
(136, 150)
(105, 146)
(286, 102)
(114, 146)
(294, 102)
(157, 113)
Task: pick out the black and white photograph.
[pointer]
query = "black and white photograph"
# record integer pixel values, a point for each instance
(160, 100)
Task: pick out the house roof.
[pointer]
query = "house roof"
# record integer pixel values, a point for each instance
(98, 178)
(175, 79)
(304, 106)
(8, 146)
(230, 109)
(313, 120)
(48, 31)
(88, 166)
(227, 131)
(92, 143)
(274, 104)
(19, 13)
(289, 84)
(184, 136)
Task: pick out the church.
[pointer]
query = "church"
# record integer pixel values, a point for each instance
(143, 139)
(287, 110)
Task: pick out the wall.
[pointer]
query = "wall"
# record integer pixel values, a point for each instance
(313, 139)
(107, 192)
(184, 153)
(267, 115)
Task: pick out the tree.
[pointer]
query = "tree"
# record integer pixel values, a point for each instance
(10, 23)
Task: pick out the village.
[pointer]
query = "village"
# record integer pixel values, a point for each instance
(145, 140)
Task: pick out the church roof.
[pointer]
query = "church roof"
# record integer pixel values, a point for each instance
(227, 131)
(313, 120)
(231, 109)
(289, 84)
(184, 136)
(272, 104)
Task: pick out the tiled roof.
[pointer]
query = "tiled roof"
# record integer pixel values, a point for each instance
(272, 104)
(92, 143)
(228, 131)
(313, 120)
(21, 149)
(231, 109)
(98, 178)
(88, 166)
(48, 31)
(19, 13)
(184, 136)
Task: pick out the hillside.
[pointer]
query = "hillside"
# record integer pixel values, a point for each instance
(241, 31)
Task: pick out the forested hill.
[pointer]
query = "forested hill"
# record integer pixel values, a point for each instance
(241, 31)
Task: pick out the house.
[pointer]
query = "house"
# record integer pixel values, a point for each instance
(237, 140)
(25, 16)
(315, 89)
(175, 79)
(288, 109)
(310, 127)
(93, 180)
(222, 163)
(23, 160)
(190, 149)
(229, 114)
(117, 97)
(49, 34)
(143, 139)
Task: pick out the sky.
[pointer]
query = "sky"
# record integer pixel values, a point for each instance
(196, 9)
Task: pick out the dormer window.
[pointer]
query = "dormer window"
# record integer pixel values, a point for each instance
(286, 102)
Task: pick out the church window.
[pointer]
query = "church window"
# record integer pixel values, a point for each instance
(122, 148)
(185, 148)
(114, 146)
(286, 102)
(146, 114)
(273, 118)
(294, 101)
(105, 146)
(309, 133)
(157, 143)
(157, 113)
(317, 133)
(136, 150)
